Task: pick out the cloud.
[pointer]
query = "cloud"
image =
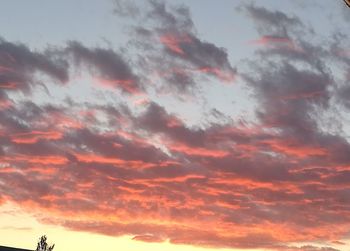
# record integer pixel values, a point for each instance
(148, 238)
(117, 168)
(18, 64)
(112, 68)
(270, 22)
(86, 174)
(126, 8)
(206, 57)
(310, 248)
(174, 53)
(344, 94)
(16, 228)
(32, 137)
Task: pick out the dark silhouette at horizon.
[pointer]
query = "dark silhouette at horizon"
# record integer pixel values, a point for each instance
(3, 248)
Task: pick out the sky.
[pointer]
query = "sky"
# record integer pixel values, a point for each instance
(175, 125)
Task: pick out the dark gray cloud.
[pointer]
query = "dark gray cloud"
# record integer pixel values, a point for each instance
(112, 68)
(170, 19)
(157, 120)
(172, 51)
(272, 22)
(18, 64)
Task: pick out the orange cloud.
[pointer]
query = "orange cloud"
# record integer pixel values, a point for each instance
(5, 104)
(34, 136)
(45, 160)
(92, 158)
(294, 149)
(197, 151)
(9, 85)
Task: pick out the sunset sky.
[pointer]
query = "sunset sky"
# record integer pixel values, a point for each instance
(175, 125)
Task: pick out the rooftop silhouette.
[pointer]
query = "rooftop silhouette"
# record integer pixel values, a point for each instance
(2, 248)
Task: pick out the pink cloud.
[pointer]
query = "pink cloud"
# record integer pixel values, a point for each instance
(173, 42)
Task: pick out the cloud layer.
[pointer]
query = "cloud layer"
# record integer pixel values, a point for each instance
(115, 169)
